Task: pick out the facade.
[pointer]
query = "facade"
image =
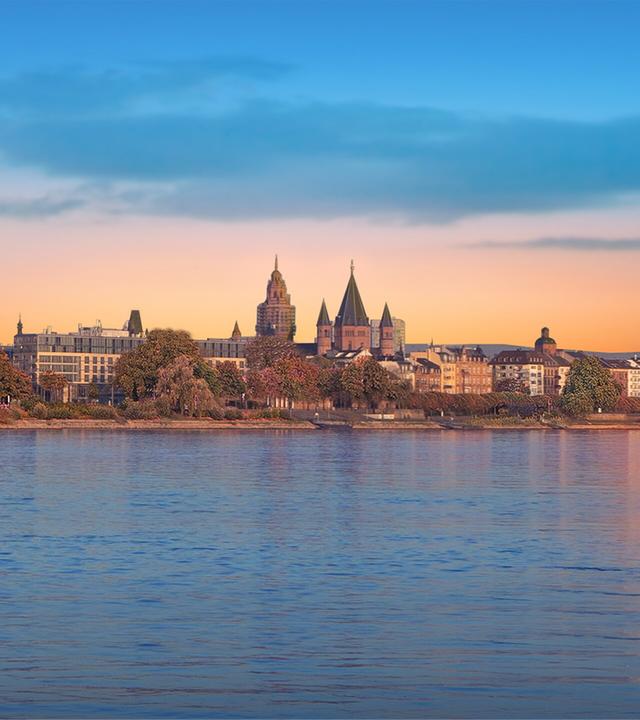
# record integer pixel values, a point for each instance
(461, 370)
(276, 316)
(626, 373)
(427, 376)
(519, 370)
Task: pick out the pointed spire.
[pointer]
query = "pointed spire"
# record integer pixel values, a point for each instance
(276, 263)
(19, 325)
(236, 334)
(323, 317)
(352, 310)
(353, 266)
(386, 320)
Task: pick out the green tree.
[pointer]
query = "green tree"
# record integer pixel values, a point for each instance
(230, 380)
(589, 387)
(136, 372)
(352, 382)
(376, 382)
(188, 394)
(14, 384)
(54, 384)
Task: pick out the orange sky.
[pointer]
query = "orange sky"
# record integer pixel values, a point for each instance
(202, 276)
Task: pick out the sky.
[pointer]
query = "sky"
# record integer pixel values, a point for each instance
(479, 161)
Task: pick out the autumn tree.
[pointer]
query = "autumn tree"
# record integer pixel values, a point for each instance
(136, 372)
(589, 387)
(54, 384)
(265, 351)
(188, 394)
(14, 384)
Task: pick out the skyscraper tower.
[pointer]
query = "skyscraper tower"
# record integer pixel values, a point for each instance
(276, 315)
(351, 329)
(324, 331)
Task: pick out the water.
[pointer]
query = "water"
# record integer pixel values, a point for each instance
(319, 574)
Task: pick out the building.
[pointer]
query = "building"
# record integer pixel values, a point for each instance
(352, 330)
(519, 371)
(461, 370)
(399, 334)
(276, 316)
(427, 376)
(626, 374)
(87, 358)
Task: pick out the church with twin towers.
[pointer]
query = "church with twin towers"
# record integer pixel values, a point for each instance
(351, 332)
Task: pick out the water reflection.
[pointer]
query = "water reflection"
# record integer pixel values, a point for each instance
(319, 575)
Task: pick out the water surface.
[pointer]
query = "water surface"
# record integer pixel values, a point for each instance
(319, 574)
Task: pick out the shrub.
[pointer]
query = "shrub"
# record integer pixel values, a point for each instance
(60, 411)
(272, 414)
(101, 412)
(163, 406)
(216, 412)
(140, 410)
(39, 411)
(232, 414)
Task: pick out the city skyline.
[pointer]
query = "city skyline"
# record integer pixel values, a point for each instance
(484, 188)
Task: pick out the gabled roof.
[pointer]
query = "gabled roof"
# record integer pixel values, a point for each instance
(386, 320)
(323, 317)
(352, 310)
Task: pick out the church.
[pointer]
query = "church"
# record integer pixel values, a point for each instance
(348, 336)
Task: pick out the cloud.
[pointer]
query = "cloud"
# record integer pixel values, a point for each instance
(567, 243)
(36, 208)
(194, 145)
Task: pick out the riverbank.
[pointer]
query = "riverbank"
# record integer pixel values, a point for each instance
(206, 424)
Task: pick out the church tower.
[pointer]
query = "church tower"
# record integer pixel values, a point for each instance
(386, 333)
(276, 315)
(19, 326)
(352, 329)
(323, 326)
(545, 343)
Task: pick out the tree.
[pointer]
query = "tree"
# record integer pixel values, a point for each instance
(376, 382)
(510, 385)
(54, 384)
(589, 387)
(266, 351)
(352, 382)
(136, 372)
(14, 384)
(188, 394)
(230, 380)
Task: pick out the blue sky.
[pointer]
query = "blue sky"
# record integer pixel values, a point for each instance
(432, 111)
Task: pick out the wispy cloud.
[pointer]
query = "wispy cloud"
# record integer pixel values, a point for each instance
(566, 243)
(36, 208)
(197, 147)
